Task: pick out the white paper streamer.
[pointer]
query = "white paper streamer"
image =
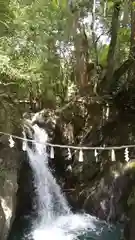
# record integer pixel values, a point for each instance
(11, 142)
(69, 154)
(96, 155)
(81, 156)
(113, 157)
(126, 154)
(52, 153)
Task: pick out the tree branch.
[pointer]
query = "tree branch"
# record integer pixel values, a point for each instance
(93, 30)
(119, 72)
(102, 34)
(7, 84)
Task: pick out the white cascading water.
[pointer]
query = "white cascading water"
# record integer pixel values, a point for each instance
(55, 221)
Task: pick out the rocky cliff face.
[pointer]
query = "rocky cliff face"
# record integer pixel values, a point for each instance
(25, 209)
(8, 184)
(101, 190)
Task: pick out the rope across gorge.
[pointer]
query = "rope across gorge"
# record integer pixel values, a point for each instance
(81, 149)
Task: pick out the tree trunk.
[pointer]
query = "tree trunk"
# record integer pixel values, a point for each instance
(112, 47)
(132, 41)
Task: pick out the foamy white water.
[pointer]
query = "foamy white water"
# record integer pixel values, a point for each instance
(55, 221)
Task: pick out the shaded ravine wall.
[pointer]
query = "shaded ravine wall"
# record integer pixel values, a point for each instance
(8, 184)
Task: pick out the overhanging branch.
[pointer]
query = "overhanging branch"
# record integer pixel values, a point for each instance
(119, 72)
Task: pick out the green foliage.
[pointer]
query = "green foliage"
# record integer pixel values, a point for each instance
(37, 50)
(103, 52)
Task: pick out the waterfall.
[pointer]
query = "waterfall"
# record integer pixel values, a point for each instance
(51, 202)
(55, 219)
